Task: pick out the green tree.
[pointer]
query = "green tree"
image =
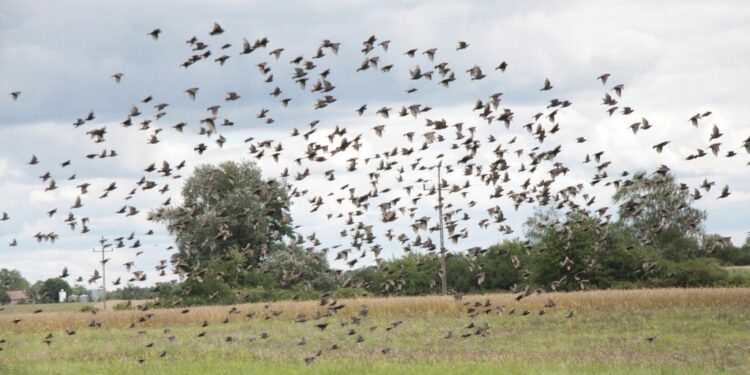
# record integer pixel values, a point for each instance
(563, 249)
(504, 264)
(716, 246)
(226, 207)
(79, 290)
(658, 210)
(34, 290)
(50, 289)
(12, 280)
(294, 266)
(131, 292)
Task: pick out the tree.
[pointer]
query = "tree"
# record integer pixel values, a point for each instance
(295, 266)
(79, 290)
(34, 290)
(504, 265)
(563, 248)
(131, 292)
(12, 280)
(4, 298)
(658, 211)
(225, 207)
(50, 289)
(716, 246)
(579, 250)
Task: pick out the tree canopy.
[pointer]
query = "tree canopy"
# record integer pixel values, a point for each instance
(12, 280)
(229, 206)
(51, 287)
(659, 212)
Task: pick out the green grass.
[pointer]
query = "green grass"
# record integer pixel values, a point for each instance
(690, 339)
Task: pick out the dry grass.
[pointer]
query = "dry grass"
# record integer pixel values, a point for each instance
(391, 306)
(663, 331)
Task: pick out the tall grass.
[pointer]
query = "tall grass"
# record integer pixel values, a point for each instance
(667, 331)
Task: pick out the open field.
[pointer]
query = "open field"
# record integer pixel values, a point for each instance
(693, 331)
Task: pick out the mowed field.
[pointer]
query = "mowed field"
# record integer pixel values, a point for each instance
(667, 331)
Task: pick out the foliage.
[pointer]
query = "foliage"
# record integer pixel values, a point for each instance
(658, 210)
(123, 306)
(350, 293)
(88, 308)
(498, 266)
(694, 273)
(292, 266)
(714, 246)
(79, 290)
(131, 292)
(226, 207)
(287, 272)
(12, 280)
(51, 287)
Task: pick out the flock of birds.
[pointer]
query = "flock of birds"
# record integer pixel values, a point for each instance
(390, 183)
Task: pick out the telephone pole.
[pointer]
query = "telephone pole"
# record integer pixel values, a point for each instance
(443, 274)
(104, 245)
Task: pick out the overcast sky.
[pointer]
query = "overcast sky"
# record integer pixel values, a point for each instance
(675, 59)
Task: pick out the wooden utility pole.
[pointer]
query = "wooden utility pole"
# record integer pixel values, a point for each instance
(103, 250)
(443, 275)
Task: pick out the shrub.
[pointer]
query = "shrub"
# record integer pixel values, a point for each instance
(261, 294)
(88, 308)
(350, 293)
(694, 273)
(123, 306)
(4, 298)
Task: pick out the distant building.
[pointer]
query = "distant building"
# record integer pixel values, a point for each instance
(18, 296)
(63, 295)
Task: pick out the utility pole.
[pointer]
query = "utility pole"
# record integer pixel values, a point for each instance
(104, 245)
(443, 274)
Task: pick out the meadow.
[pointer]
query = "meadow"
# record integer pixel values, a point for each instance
(659, 331)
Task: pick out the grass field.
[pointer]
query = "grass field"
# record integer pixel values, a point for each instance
(668, 331)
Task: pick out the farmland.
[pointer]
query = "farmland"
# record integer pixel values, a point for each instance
(663, 331)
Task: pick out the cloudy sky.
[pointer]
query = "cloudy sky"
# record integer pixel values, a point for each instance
(675, 59)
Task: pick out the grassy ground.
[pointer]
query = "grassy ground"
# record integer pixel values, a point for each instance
(674, 331)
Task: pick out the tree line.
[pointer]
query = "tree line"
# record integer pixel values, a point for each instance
(236, 243)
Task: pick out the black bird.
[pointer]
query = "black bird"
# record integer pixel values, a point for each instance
(216, 30)
(547, 85)
(155, 34)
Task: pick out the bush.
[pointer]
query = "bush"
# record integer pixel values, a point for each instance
(130, 292)
(261, 294)
(699, 272)
(350, 293)
(88, 308)
(733, 256)
(123, 306)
